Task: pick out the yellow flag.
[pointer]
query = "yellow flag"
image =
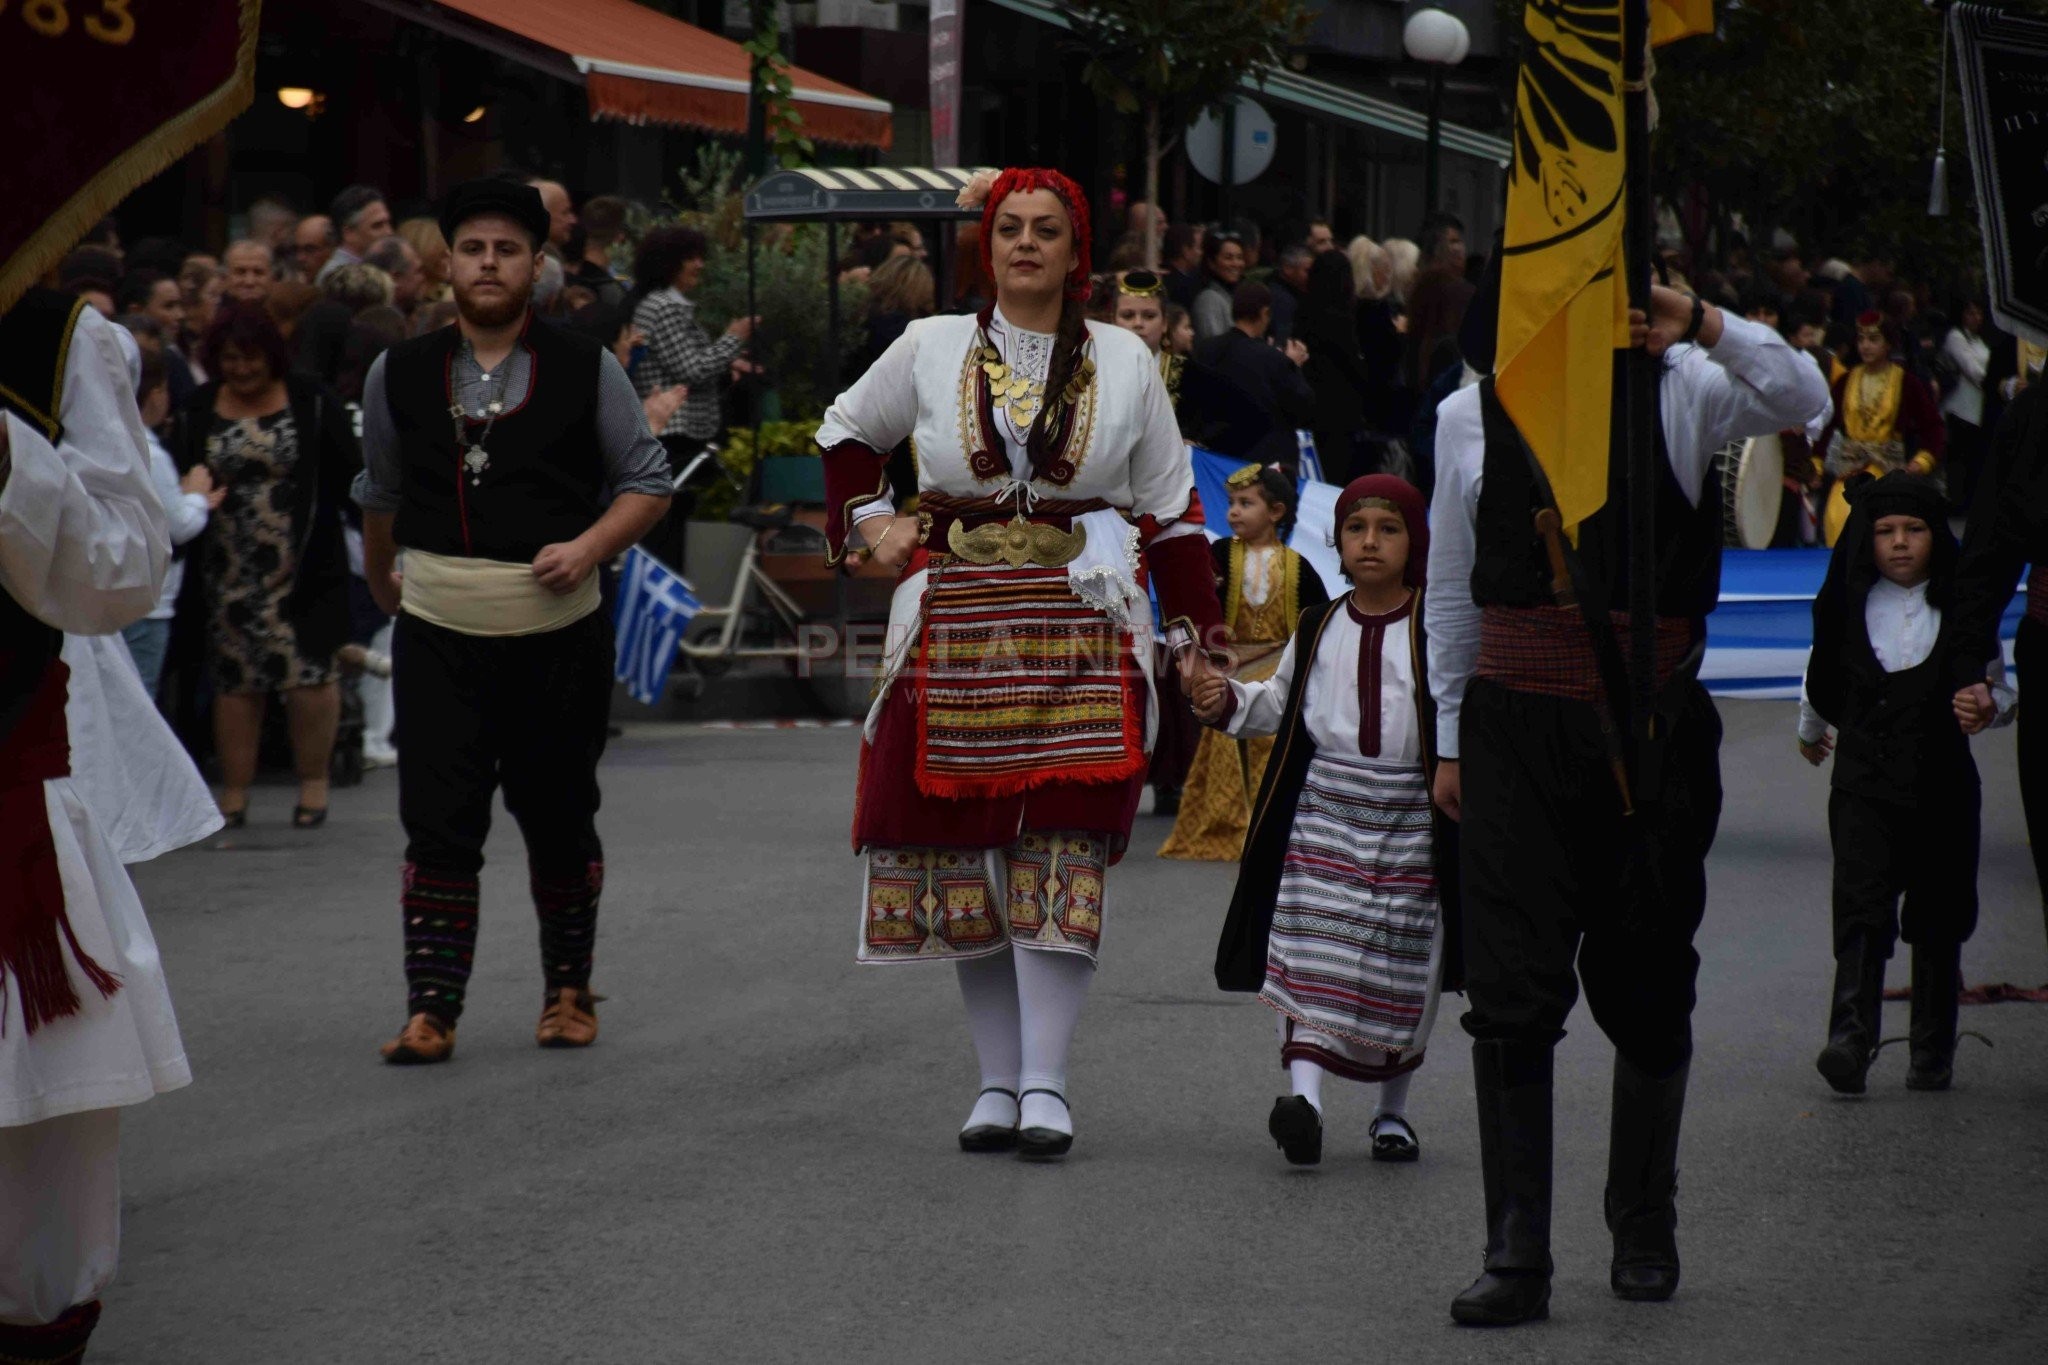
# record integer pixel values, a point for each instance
(1563, 290)
(1671, 20)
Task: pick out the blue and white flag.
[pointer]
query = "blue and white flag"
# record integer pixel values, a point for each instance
(655, 606)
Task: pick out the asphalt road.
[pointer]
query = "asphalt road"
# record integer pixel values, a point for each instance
(756, 1162)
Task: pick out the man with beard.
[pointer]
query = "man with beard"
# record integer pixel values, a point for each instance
(508, 459)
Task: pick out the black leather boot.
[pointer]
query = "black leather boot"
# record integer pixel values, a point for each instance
(1513, 1080)
(1854, 1016)
(1937, 969)
(1642, 1181)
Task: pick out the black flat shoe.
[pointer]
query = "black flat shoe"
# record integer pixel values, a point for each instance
(308, 817)
(1042, 1144)
(1298, 1128)
(1394, 1140)
(234, 819)
(990, 1137)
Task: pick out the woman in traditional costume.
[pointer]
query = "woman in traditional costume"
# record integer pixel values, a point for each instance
(1886, 419)
(1265, 587)
(1004, 757)
(1344, 917)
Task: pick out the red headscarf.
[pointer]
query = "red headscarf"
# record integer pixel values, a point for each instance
(1023, 180)
(1403, 495)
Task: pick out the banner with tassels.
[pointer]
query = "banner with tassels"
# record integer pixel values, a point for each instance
(101, 95)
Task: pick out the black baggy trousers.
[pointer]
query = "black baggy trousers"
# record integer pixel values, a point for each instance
(1561, 888)
(523, 711)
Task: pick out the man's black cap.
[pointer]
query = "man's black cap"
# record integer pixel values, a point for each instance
(473, 199)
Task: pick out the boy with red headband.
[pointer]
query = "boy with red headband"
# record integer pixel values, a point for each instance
(1342, 920)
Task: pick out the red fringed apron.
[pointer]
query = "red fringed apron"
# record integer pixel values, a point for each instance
(1020, 683)
(36, 748)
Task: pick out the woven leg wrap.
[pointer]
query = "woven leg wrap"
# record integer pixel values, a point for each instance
(567, 908)
(440, 941)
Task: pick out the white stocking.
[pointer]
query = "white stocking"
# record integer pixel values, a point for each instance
(1051, 988)
(1305, 1078)
(1394, 1096)
(989, 987)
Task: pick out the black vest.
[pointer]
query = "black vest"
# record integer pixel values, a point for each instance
(1897, 737)
(35, 340)
(546, 479)
(1511, 567)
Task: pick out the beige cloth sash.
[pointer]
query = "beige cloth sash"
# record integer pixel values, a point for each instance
(488, 596)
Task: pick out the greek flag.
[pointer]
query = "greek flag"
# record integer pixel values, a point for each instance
(655, 607)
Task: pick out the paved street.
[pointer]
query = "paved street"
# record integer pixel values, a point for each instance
(756, 1162)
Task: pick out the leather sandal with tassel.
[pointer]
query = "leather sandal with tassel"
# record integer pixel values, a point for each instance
(568, 1018)
(424, 1039)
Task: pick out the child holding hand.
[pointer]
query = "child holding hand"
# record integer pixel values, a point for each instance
(1903, 813)
(1341, 921)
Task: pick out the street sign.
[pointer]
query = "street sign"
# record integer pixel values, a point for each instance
(1252, 150)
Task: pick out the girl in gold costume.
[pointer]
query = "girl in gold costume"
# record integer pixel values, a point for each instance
(1265, 587)
(1885, 420)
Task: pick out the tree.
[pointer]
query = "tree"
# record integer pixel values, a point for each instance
(1818, 116)
(1171, 59)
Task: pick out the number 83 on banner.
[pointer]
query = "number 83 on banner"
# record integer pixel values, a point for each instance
(106, 21)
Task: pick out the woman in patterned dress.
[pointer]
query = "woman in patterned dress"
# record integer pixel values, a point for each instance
(275, 566)
(1005, 755)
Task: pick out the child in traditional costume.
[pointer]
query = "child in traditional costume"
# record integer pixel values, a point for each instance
(1344, 917)
(1265, 588)
(1904, 810)
(1886, 419)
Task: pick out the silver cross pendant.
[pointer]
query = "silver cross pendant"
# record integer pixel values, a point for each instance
(476, 460)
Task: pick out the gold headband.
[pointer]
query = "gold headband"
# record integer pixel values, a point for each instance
(1871, 333)
(1125, 285)
(1243, 478)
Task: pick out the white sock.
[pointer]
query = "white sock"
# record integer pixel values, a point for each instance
(1051, 988)
(1394, 1096)
(988, 985)
(376, 695)
(1308, 1082)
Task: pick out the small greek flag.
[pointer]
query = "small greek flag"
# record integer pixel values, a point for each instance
(655, 606)
(1309, 465)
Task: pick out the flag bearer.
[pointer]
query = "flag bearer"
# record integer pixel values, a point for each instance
(1554, 873)
(508, 459)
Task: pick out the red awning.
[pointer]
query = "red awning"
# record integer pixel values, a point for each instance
(644, 67)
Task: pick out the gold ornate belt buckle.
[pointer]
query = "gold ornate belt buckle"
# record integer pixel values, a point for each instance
(1019, 543)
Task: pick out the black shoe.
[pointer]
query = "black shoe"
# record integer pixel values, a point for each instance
(990, 1137)
(1937, 970)
(1393, 1139)
(1042, 1144)
(1298, 1128)
(1854, 1015)
(1512, 1079)
(308, 817)
(234, 819)
(1503, 1298)
(1642, 1182)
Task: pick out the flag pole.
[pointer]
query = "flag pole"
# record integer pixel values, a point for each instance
(1639, 241)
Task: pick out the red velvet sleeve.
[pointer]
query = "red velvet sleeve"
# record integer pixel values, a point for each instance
(854, 474)
(1920, 418)
(1186, 580)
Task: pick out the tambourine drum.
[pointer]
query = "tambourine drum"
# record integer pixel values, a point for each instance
(1752, 476)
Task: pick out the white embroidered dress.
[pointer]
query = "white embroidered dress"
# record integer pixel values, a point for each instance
(1125, 447)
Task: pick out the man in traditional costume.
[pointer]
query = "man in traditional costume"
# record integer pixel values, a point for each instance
(1886, 419)
(1560, 885)
(1905, 800)
(508, 458)
(2009, 532)
(1345, 914)
(1265, 588)
(86, 1025)
(1002, 762)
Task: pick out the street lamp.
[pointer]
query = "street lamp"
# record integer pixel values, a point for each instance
(1439, 40)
